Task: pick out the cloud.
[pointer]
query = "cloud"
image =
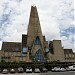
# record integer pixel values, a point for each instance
(68, 42)
(56, 19)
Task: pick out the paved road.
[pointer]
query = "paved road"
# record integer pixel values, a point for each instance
(49, 73)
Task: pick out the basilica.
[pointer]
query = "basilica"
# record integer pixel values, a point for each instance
(34, 47)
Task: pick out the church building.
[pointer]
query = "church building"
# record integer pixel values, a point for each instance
(34, 46)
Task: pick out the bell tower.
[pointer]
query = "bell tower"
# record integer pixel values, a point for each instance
(34, 28)
(35, 39)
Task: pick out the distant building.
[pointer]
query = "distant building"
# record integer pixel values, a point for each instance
(34, 46)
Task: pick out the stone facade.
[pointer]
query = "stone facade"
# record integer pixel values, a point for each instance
(34, 46)
(69, 56)
(58, 51)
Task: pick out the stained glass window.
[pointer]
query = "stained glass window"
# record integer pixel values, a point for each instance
(37, 41)
(17, 49)
(47, 49)
(39, 56)
(24, 50)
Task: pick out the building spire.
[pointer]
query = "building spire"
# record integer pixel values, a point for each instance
(34, 28)
(34, 12)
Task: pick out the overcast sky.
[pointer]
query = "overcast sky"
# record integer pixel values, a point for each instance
(56, 19)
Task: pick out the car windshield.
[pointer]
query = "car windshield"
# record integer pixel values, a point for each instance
(5, 69)
(12, 69)
(20, 68)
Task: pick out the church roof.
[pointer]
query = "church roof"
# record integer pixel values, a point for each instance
(11, 46)
(68, 51)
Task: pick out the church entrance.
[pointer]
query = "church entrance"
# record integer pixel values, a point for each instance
(39, 56)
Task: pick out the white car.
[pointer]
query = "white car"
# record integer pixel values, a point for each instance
(70, 68)
(63, 69)
(56, 69)
(37, 70)
(73, 69)
(28, 70)
(5, 71)
(52, 69)
(20, 70)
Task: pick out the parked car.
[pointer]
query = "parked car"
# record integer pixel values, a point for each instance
(56, 69)
(44, 69)
(12, 70)
(63, 69)
(20, 70)
(71, 68)
(5, 71)
(37, 70)
(52, 69)
(28, 70)
(68, 69)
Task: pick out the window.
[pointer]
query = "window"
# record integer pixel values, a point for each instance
(39, 56)
(47, 49)
(37, 41)
(17, 49)
(24, 50)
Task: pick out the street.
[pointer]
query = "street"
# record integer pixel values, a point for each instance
(48, 73)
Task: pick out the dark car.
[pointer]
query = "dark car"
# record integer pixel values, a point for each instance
(20, 70)
(44, 69)
(37, 70)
